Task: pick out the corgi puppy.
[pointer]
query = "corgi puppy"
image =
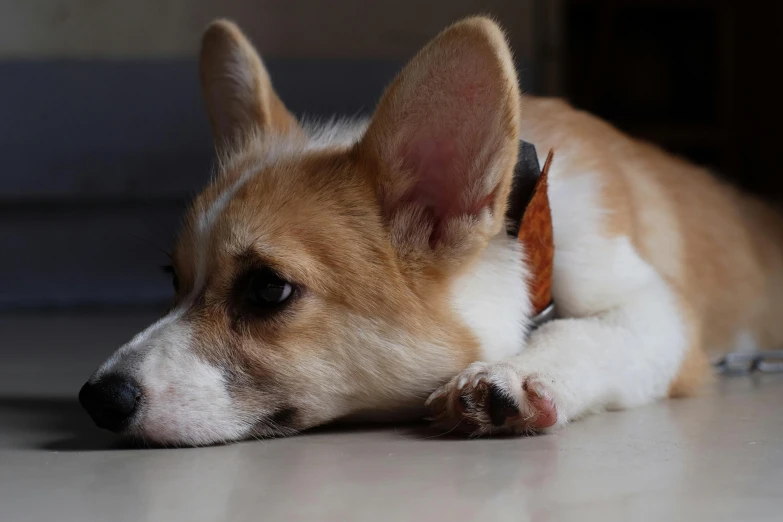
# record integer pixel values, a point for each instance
(360, 269)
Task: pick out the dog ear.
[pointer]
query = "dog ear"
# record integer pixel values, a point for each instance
(236, 87)
(443, 141)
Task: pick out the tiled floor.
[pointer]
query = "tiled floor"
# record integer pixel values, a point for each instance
(714, 458)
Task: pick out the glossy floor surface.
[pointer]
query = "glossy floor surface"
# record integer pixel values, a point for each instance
(718, 457)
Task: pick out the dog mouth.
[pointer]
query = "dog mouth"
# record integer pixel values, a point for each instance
(119, 404)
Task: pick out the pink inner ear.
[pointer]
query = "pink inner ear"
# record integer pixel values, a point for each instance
(446, 122)
(442, 181)
(441, 178)
(438, 187)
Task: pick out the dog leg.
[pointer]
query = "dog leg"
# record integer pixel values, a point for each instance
(621, 358)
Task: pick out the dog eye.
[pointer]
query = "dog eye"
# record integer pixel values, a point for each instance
(267, 289)
(169, 269)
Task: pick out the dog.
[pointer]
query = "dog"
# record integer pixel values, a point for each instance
(360, 270)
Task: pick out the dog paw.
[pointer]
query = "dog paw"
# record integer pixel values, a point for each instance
(490, 398)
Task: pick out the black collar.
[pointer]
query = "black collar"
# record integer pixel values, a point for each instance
(527, 173)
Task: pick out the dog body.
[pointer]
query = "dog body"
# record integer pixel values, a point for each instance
(351, 270)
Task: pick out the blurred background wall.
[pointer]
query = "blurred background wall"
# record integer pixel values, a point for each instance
(103, 138)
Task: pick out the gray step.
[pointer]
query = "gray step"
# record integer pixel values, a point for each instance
(100, 156)
(86, 253)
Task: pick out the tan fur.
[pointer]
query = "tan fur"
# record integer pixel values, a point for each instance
(395, 291)
(279, 218)
(421, 103)
(709, 242)
(721, 250)
(233, 75)
(373, 325)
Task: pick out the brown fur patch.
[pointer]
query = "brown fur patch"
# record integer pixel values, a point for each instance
(372, 326)
(536, 234)
(719, 250)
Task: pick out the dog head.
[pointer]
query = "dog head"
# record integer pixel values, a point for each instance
(333, 271)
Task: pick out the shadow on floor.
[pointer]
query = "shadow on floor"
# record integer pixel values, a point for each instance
(60, 424)
(52, 423)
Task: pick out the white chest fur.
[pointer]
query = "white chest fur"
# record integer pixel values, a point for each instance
(492, 299)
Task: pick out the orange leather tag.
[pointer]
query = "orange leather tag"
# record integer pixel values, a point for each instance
(535, 233)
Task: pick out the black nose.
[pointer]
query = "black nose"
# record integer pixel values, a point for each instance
(111, 401)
